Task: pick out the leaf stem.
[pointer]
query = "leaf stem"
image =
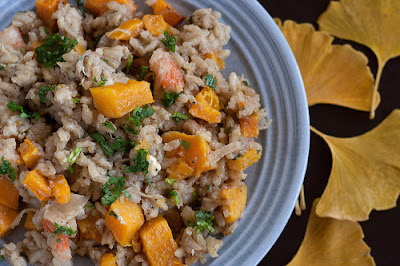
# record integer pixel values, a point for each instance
(376, 87)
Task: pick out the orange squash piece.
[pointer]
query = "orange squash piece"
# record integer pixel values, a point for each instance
(79, 49)
(29, 225)
(7, 216)
(38, 184)
(99, 7)
(158, 242)
(155, 24)
(45, 9)
(127, 30)
(35, 45)
(87, 228)
(170, 15)
(124, 220)
(235, 202)
(240, 164)
(249, 126)
(207, 106)
(8, 193)
(29, 153)
(117, 100)
(109, 259)
(213, 56)
(196, 157)
(60, 188)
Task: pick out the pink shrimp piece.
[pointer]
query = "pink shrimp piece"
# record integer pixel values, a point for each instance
(60, 244)
(12, 36)
(168, 73)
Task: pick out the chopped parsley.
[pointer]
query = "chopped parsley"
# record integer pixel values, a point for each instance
(45, 30)
(109, 125)
(194, 196)
(178, 117)
(112, 213)
(112, 189)
(169, 98)
(246, 83)
(141, 163)
(2, 67)
(109, 148)
(208, 187)
(64, 230)
(204, 220)
(73, 156)
(190, 20)
(129, 63)
(191, 224)
(43, 92)
(128, 129)
(81, 4)
(210, 81)
(228, 129)
(139, 114)
(237, 157)
(7, 169)
(105, 60)
(90, 206)
(53, 49)
(143, 72)
(76, 100)
(102, 82)
(170, 181)
(185, 144)
(169, 42)
(148, 181)
(58, 240)
(24, 114)
(174, 195)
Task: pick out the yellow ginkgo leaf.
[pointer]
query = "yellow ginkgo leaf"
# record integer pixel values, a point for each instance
(365, 172)
(332, 74)
(331, 242)
(373, 23)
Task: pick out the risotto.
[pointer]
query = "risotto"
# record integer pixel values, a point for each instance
(120, 138)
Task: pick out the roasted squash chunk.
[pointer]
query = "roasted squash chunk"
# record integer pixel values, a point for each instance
(249, 126)
(79, 49)
(60, 188)
(240, 164)
(7, 217)
(117, 100)
(99, 7)
(155, 24)
(170, 15)
(109, 259)
(38, 184)
(8, 193)
(207, 106)
(158, 242)
(235, 199)
(45, 9)
(29, 225)
(87, 228)
(29, 153)
(213, 56)
(127, 30)
(124, 220)
(193, 156)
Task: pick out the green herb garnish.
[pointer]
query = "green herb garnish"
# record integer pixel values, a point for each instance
(174, 195)
(169, 98)
(64, 230)
(185, 144)
(143, 72)
(170, 181)
(81, 4)
(76, 100)
(53, 49)
(73, 156)
(128, 129)
(102, 82)
(204, 220)
(46, 30)
(139, 114)
(58, 240)
(169, 42)
(178, 117)
(90, 206)
(109, 148)
(2, 67)
(129, 63)
(109, 125)
(7, 169)
(237, 157)
(141, 163)
(210, 81)
(246, 83)
(228, 129)
(112, 213)
(43, 92)
(24, 114)
(112, 189)
(105, 60)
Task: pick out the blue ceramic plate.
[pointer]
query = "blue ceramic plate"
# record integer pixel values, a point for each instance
(259, 50)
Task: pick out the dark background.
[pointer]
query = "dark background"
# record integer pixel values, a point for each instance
(382, 230)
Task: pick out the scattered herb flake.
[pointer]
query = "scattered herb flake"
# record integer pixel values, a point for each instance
(148, 181)
(112, 189)
(58, 240)
(139, 114)
(2, 67)
(190, 20)
(228, 129)
(102, 82)
(129, 63)
(143, 72)
(112, 213)
(178, 117)
(174, 195)
(24, 114)
(169, 98)
(210, 81)
(64, 230)
(208, 187)
(109, 125)
(185, 144)
(76, 100)
(43, 92)
(46, 30)
(90, 206)
(170, 181)
(109, 148)
(73, 156)
(81, 4)
(105, 60)
(7, 169)
(246, 83)
(204, 220)
(169, 42)
(126, 194)
(128, 129)
(141, 163)
(237, 157)
(191, 224)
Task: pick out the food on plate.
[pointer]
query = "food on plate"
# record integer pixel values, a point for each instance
(121, 140)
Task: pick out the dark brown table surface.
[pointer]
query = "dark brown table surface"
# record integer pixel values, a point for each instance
(382, 230)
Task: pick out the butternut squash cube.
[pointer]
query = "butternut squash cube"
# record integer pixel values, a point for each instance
(195, 156)
(109, 259)
(79, 49)
(170, 15)
(249, 126)
(45, 9)
(240, 164)
(155, 24)
(158, 242)
(99, 7)
(29, 153)
(127, 30)
(9, 195)
(29, 225)
(213, 56)
(117, 100)
(60, 188)
(7, 216)
(235, 199)
(180, 171)
(38, 184)
(207, 106)
(87, 228)
(124, 220)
